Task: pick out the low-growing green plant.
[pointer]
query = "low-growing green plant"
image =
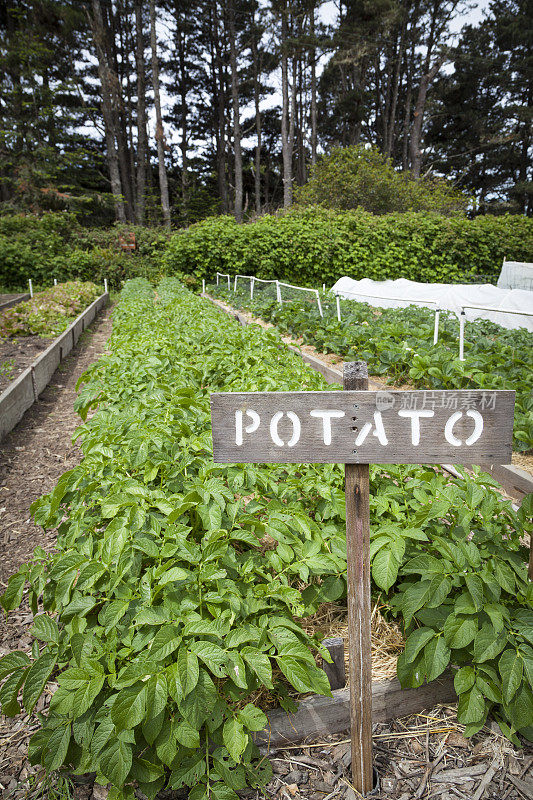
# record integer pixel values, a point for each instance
(398, 345)
(49, 312)
(171, 606)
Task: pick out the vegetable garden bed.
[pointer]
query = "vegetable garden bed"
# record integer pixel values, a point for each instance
(170, 612)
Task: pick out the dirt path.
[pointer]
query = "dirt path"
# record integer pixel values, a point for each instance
(32, 458)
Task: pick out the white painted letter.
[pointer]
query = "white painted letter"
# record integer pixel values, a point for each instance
(478, 427)
(251, 428)
(379, 431)
(474, 436)
(415, 421)
(326, 417)
(296, 429)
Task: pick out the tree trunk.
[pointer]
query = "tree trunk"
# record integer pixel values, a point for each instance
(142, 149)
(236, 112)
(183, 114)
(285, 144)
(219, 99)
(159, 133)
(257, 97)
(416, 131)
(104, 74)
(395, 89)
(313, 87)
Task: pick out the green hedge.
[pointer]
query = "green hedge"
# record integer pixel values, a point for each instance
(55, 245)
(316, 245)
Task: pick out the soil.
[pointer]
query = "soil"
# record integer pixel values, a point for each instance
(17, 354)
(32, 458)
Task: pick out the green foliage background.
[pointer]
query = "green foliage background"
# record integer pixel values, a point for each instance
(315, 246)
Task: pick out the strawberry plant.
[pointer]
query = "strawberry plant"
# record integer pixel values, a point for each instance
(169, 612)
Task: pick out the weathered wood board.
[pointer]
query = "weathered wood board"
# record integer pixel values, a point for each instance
(362, 427)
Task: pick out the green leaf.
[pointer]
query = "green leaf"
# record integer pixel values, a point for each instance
(464, 679)
(436, 657)
(174, 574)
(235, 738)
(511, 669)
(252, 717)
(36, 680)
(12, 597)
(475, 587)
(115, 761)
(57, 747)
(212, 655)
(414, 598)
(9, 692)
(459, 631)
(45, 628)
(187, 735)
(488, 643)
(385, 568)
(260, 664)
(166, 640)
(471, 706)
(129, 708)
(304, 677)
(416, 641)
(189, 772)
(12, 661)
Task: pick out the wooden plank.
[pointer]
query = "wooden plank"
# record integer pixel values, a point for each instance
(15, 401)
(336, 670)
(323, 716)
(413, 427)
(357, 490)
(514, 480)
(20, 298)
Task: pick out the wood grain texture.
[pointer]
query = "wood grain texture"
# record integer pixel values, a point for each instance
(384, 428)
(335, 671)
(321, 716)
(357, 489)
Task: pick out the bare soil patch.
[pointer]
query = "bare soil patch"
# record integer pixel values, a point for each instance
(32, 458)
(17, 354)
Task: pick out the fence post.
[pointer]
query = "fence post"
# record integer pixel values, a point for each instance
(203, 285)
(338, 307)
(217, 278)
(462, 318)
(235, 285)
(105, 285)
(229, 284)
(252, 284)
(436, 331)
(278, 292)
(319, 304)
(30, 284)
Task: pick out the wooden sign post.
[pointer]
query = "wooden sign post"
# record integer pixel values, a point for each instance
(358, 427)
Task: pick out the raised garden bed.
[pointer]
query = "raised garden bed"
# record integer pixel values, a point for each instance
(22, 392)
(9, 300)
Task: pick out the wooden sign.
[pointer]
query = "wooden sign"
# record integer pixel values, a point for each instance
(357, 427)
(362, 427)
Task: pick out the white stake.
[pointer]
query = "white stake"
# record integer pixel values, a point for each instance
(235, 285)
(229, 284)
(203, 285)
(31, 287)
(252, 284)
(319, 303)
(462, 318)
(436, 331)
(55, 281)
(217, 278)
(323, 288)
(338, 307)
(105, 285)
(278, 292)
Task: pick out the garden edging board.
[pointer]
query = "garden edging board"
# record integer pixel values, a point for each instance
(25, 389)
(20, 298)
(513, 479)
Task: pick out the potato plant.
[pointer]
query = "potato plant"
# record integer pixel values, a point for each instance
(170, 609)
(398, 344)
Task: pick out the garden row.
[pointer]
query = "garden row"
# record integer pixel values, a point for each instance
(49, 312)
(169, 612)
(295, 247)
(398, 345)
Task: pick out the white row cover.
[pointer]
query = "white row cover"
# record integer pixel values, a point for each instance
(446, 296)
(516, 275)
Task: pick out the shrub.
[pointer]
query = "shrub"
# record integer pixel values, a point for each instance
(315, 245)
(359, 176)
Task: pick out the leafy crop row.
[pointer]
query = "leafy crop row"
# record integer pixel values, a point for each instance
(169, 611)
(49, 312)
(398, 345)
